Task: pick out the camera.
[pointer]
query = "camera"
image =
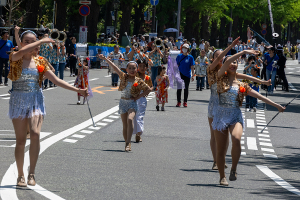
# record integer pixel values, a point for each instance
(253, 63)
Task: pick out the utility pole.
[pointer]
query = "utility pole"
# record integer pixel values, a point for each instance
(153, 19)
(178, 18)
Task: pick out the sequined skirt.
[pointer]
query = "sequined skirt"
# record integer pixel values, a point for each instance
(26, 104)
(125, 105)
(225, 116)
(213, 105)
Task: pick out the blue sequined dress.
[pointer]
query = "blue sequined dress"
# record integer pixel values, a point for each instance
(127, 103)
(228, 112)
(213, 101)
(27, 98)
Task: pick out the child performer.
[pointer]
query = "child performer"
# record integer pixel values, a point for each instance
(255, 71)
(163, 84)
(26, 105)
(82, 80)
(131, 87)
(142, 102)
(201, 66)
(212, 71)
(228, 116)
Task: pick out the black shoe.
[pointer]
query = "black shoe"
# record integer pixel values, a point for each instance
(55, 85)
(207, 87)
(197, 88)
(200, 89)
(50, 85)
(157, 108)
(45, 87)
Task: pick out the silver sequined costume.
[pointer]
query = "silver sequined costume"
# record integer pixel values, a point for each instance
(228, 112)
(213, 101)
(125, 104)
(27, 98)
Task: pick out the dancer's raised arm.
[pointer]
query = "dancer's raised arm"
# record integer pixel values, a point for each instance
(101, 56)
(251, 78)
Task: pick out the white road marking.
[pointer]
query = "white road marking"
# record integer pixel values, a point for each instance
(260, 115)
(8, 183)
(290, 68)
(250, 123)
(270, 155)
(108, 76)
(263, 121)
(242, 142)
(70, 140)
(261, 118)
(101, 124)
(264, 124)
(6, 98)
(86, 131)
(263, 131)
(261, 127)
(94, 128)
(264, 139)
(291, 85)
(107, 120)
(278, 179)
(45, 192)
(93, 79)
(78, 136)
(268, 150)
(243, 153)
(263, 135)
(4, 95)
(251, 143)
(265, 144)
(242, 147)
(115, 117)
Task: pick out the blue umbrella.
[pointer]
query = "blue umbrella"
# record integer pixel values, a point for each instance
(171, 30)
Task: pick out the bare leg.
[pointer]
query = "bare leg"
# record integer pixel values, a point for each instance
(163, 105)
(20, 126)
(78, 96)
(221, 141)
(124, 121)
(35, 124)
(130, 118)
(236, 131)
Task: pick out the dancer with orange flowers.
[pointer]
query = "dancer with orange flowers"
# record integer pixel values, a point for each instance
(228, 116)
(163, 84)
(82, 80)
(133, 88)
(142, 102)
(26, 105)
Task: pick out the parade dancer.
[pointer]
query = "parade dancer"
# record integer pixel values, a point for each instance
(212, 71)
(228, 116)
(163, 84)
(142, 102)
(82, 80)
(131, 87)
(26, 105)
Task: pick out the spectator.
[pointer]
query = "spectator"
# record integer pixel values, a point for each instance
(201, 66)
(156, 57)
(202, 45)
(71, 51)
(126, 59)
(185, 64)
(293, 52)
(281, 64)
(54, 58)
(271, 69)
(115, 57)
(143, 42)
(62, 60)
(285, 50)
(150, 45)
(179, 43)
(5, 46)
(194, 46)
(169, 44)
(98, 60)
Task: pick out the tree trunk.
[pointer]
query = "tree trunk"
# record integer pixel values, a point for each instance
(108, 20)
(92, 22)
(204, 27)
(192, 28)
(61, 15)
(32, 10)
(126, 7)
(214, 33)
(222, 34)
(235, 30)
(138, 18)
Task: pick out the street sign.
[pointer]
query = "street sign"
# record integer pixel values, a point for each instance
(264, 32)
(264, 26)
(112, 15)
(154, 2)
(275, 35)
(152, 35)
(230, 39)
(83, 34)
(84, 10)
(85, 2)
(3, 2)
(110, 30)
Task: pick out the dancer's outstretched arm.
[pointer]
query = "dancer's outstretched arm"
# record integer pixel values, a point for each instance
(251, 78)
(30, 47)
(233, 58)
(216, 61)
(255, 94)
(101, 56)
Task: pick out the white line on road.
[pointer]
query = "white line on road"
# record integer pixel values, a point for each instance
(101, 124)
(278, 179)
(263, 131)
(268, 150)
(270, 155)
(94, 128)
(251, 143)
(86, 131)
(113, 116)
(8, 183)
(261, 127)
(264, 139)
(262, 121)
(243, 153)
(78, 136)
(260, 115)
(261, 118)
(250, 123)
(265, 144)
(6, 98)
(70, 140)
(263, 135)
(4, 95)
(107, 120)
(291, 85)
(264, 124)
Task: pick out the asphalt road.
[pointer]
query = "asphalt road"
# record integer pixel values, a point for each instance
(174, 161)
